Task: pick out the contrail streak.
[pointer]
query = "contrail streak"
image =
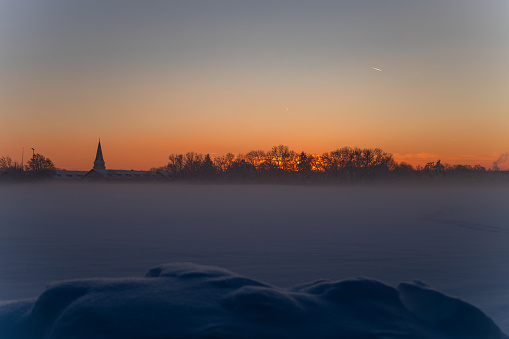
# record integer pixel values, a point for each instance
(377, 69)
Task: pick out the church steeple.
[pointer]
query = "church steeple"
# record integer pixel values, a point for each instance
(99, 161)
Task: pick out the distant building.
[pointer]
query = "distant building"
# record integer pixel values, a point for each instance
(68, 175)
(100, 173)
(123, 175)
(99, 163)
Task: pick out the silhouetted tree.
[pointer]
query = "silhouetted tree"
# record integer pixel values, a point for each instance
(6, 163)
(255, 158)
(403, 168)
(432, 168)
(315, 161)
(223, 163)
(429, 167)
(303, 164)
(241, 169)
(39, 164)
(346, 164)
(367, 158)
(330, 162)
(439, 167)
(175, 163)
(207, 168)
(343, 159)
(192, 163)
(283, 158)
(383, 160)
(10, 169)
(479, 168)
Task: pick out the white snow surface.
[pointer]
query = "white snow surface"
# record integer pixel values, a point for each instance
(185, 300)
(454, 238)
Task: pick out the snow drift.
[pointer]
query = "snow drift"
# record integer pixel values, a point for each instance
(184, 300)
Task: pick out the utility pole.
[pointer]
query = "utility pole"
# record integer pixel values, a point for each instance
(33, 159)
(22, 153)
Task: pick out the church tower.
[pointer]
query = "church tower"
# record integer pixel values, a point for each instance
(99, 161)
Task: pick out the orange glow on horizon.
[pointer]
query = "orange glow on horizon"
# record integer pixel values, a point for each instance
(150, 88)
(139, 156)
(143, 155)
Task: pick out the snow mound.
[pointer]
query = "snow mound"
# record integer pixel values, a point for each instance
(184, 300)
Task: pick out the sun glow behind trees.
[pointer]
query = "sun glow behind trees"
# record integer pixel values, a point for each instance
(281, 158)
(281, 164)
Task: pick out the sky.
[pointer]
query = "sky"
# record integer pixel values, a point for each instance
(423, 80)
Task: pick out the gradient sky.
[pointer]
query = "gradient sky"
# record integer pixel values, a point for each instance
(151, 78)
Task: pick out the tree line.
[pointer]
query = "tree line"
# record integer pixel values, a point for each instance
(280, 163)
(36, 167)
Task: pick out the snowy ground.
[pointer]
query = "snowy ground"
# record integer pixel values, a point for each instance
(455, 238)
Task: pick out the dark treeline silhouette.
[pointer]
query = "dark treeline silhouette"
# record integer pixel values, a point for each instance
(282, 165)
(38, 167)
(343, 165)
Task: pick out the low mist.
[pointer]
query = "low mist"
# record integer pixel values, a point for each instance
(451, 237)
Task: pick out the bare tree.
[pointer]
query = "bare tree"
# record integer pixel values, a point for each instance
(192, 163)
(367, 157)
(175, 163)
(223, 163)
(6, 163)
(283, 157)
(255, 158)
(39, 164)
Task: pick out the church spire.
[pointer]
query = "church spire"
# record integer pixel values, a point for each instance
(99, 161)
